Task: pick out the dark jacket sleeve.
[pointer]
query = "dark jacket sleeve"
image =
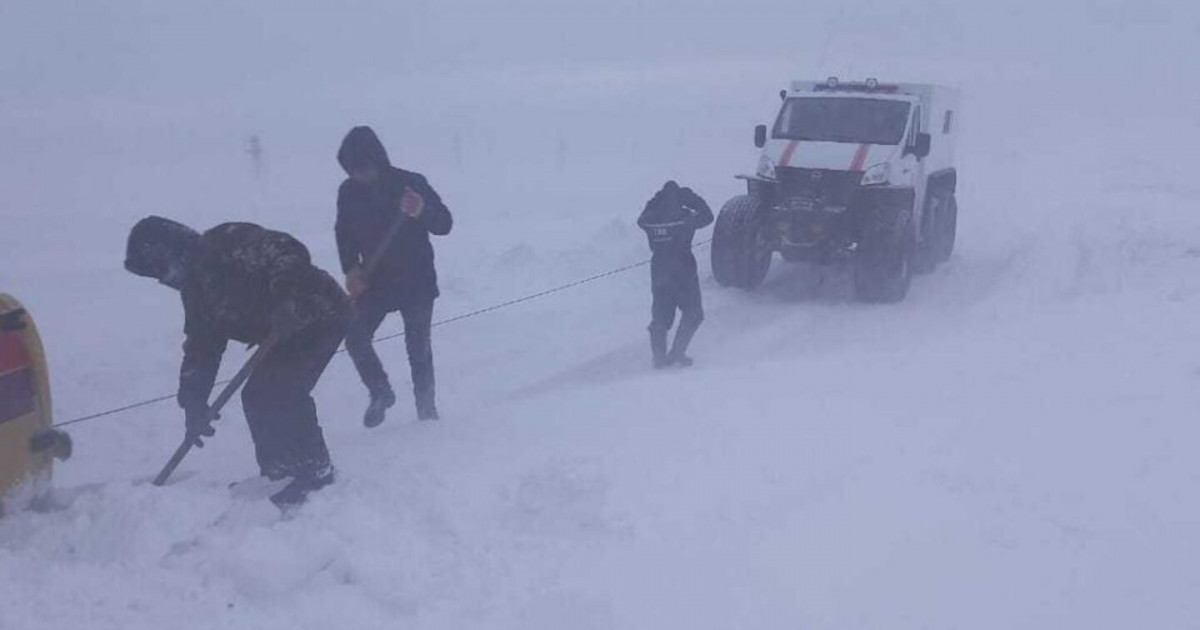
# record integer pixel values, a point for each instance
(703, 215)
(644, 218)
(436, 216)
(202, 351)
(347, 244)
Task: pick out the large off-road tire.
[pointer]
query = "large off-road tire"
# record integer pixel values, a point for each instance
(883, 268)
(938, 227)
(925, 251)
(946, 228)
(740, 257)
(924, 254)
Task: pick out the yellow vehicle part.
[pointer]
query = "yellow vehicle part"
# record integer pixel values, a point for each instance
(27, 442)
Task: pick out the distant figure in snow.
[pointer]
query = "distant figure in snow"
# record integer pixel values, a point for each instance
(670, 220)
(249, 284)
(378, 202)
(254, 149)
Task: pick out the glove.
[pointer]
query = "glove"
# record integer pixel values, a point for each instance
(412, 204)
(198, 423)
(356, 283)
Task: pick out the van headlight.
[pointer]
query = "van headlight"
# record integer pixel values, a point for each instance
(766, 168)
(877, 175)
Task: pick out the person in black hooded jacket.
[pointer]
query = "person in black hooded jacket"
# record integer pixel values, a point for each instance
(374, 197)
(670, 220)
(245, 283)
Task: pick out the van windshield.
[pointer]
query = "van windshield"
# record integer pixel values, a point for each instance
(842, 119)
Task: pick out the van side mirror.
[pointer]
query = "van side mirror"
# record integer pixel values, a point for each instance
(760, 136)
(922, 146)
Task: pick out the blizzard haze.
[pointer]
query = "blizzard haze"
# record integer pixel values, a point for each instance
(1011, 447)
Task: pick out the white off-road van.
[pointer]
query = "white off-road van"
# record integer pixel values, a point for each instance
(861, 173)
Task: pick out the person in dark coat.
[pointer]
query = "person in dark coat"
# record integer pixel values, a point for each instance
(670, 220)
(244, 283)
(375, 198)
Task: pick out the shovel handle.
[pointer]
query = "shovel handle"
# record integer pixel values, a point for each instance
(230, 389)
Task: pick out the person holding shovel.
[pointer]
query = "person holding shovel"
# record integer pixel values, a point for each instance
(384, 218)
(245, 283)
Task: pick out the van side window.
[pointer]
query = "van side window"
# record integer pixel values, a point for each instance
(916, 126)
(948, 121)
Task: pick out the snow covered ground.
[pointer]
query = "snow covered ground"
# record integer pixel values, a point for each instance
(1012, 447)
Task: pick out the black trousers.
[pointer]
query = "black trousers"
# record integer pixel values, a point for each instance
(418, 320)
(676, 287)
(279, 407)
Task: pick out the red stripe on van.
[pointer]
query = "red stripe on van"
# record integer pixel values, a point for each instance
(860, 157)
(786, 158)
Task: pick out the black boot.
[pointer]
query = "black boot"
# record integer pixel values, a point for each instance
(298, 490)
(658, 347)
(427, 410)
(274, 473)
(683, 337)
(381, 400)
(425, 392)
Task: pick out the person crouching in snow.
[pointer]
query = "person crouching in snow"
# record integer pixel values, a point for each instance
(245, 283)
(670, 220)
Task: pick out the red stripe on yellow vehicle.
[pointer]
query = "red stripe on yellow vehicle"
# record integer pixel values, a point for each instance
(13, 353)
(18, 396)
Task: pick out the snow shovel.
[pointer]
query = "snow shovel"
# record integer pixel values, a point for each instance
(230, 389)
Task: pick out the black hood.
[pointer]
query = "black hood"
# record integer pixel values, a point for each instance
(158, 248)
(361, 147)
(666, 205)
